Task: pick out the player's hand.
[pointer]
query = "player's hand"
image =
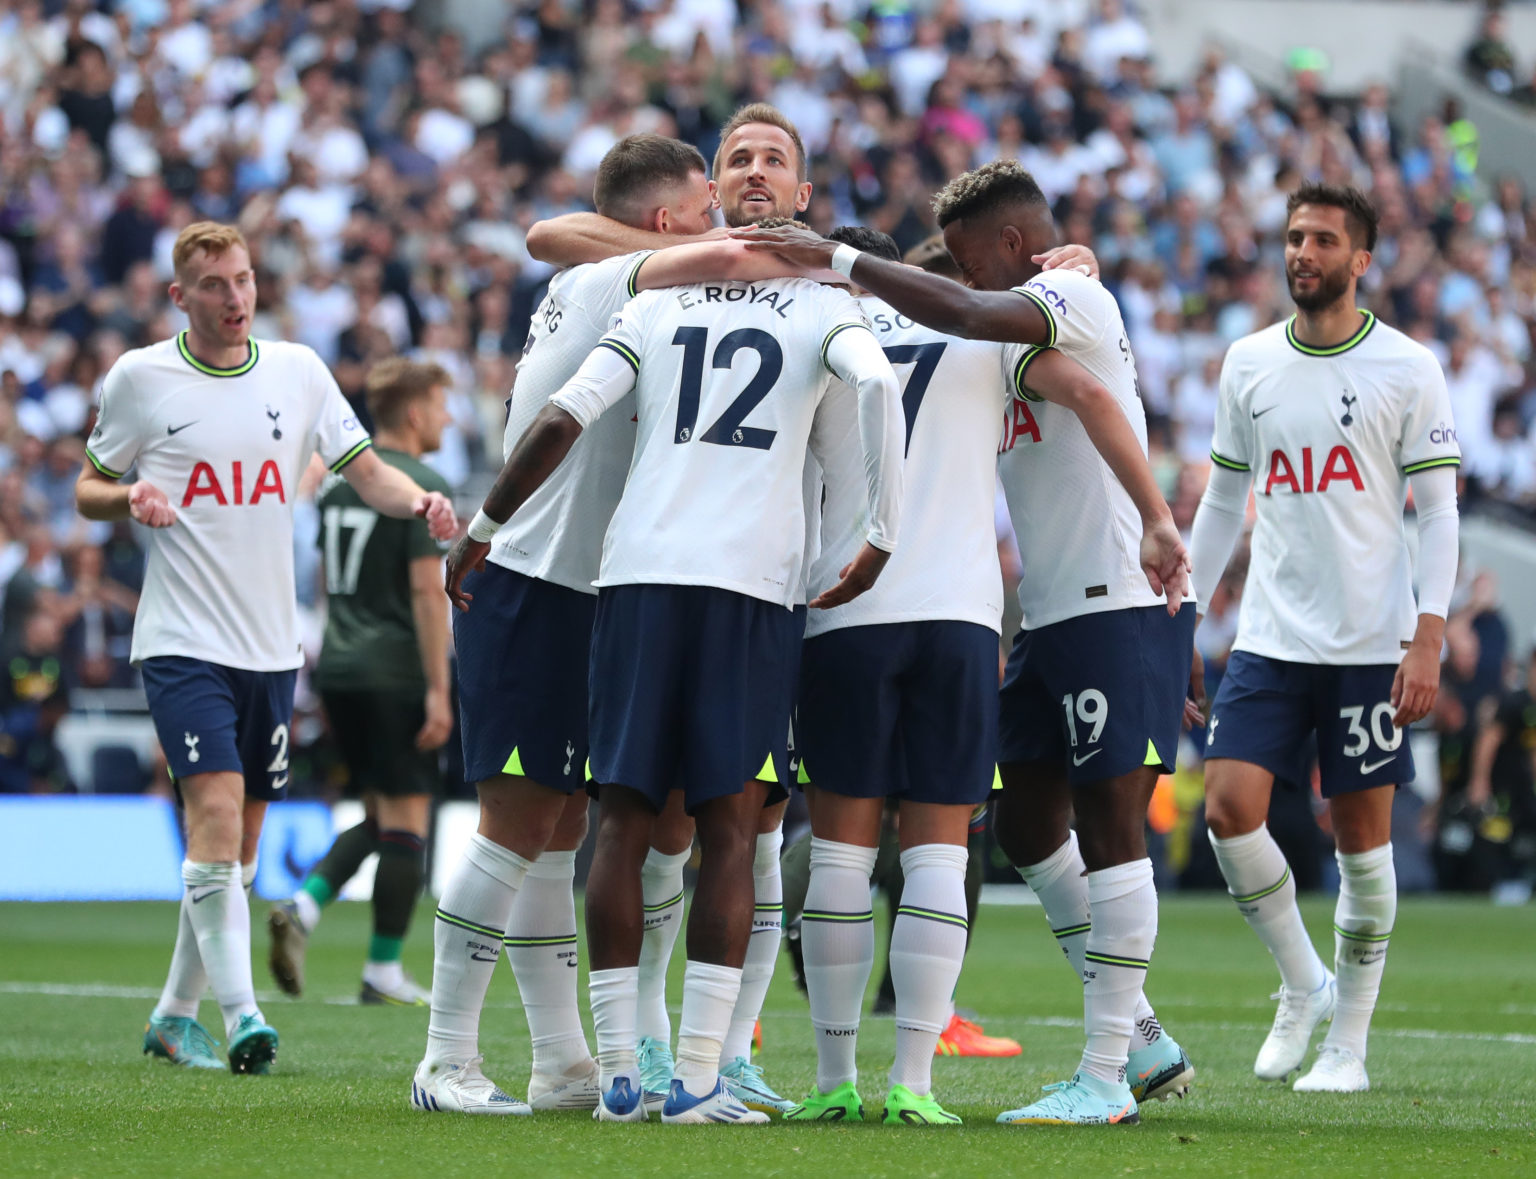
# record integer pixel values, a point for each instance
(439, 722)
(796, 244)
(1069, 257)
(465, 555)
(147, 504)
(1194, 703)
(857, 576)
(437, 510)
(1165, 561)
(1415, 684)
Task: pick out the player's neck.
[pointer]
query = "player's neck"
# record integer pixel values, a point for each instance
(401, 440)
(216, 355)
(1330, 326)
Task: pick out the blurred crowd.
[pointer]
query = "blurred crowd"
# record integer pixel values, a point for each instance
(1491, 58)
(386, 175)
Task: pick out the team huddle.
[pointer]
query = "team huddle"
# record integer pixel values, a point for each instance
(743, 543)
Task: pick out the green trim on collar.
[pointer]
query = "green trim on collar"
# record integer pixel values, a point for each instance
(208, 370)
(1337, 349)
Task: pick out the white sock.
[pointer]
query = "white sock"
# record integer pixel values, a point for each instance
(709, 998)
(1362, 926)
(187, 980)
(661, 891)
(837, 936)
(1060, 883)
(1123, 901)
(386, 976)
(308, 909)
(927, 949)
(472, 914)
(541, 949)
(221, 920)
(1260, 882)
(763, 949)
(612, 996)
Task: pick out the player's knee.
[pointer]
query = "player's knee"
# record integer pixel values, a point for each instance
(571, 830)
(1227, 816)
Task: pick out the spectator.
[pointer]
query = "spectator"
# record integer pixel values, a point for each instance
(1490, 59)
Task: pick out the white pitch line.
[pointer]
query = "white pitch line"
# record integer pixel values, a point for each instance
(108, 991)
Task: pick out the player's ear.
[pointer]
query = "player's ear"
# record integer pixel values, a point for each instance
(661, 221)
(174, 290)
(1360, 263)
(803, 197)
(1011, 239)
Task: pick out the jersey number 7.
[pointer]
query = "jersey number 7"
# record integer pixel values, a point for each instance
(728, 429)
(924, 359)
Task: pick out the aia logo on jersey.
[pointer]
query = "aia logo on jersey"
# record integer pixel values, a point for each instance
(204, 480)
(1339, 467)
(1018, 422)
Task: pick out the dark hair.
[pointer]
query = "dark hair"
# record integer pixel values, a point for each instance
(932, 255)
(999, 185)
(1359, 214)
(870, 241)
(636, 169)
(762, 112)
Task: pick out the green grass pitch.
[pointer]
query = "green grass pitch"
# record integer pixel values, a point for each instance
(1453, 1066)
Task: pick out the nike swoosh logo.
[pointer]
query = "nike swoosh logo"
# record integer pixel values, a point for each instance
(1367, 767)
(1077, 761)
(1117, 1117)
(478, 958)
(1145, 1075)
(1258, 413)
(197, 900)
(279, 783)
(178, 429)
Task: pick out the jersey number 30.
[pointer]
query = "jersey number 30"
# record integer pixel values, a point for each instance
(728, 429)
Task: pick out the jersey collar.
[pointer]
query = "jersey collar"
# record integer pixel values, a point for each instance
(1336, 349)
(253, 354)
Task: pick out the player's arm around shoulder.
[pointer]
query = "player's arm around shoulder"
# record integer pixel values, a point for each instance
(722, 260)
(932, 300)
(574, 239)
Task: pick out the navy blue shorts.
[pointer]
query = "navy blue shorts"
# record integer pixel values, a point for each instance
(1103, 693)
(216, 719)
(901, 710)
(783, 764)
(688, 689)
(1266, 708)
(523, 647)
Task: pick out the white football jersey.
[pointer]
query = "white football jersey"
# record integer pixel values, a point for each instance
(1079, 533)
(1331, 436)
(557, 536)
(946, 565)
(728, 379)
(228, 447)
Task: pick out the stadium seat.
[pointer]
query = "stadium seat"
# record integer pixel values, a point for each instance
(116, 769)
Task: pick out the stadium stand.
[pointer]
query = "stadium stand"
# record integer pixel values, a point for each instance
(386, 160)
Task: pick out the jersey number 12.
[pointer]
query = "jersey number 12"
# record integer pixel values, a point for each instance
(728, 429)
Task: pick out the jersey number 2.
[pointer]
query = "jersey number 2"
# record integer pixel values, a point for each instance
(728, 429)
